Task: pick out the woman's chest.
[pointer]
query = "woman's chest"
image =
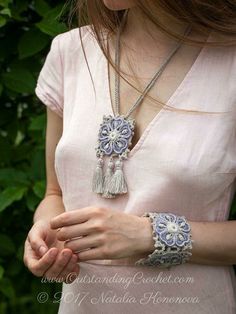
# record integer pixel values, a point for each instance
(184, 160)
(176, 149)
(199, 131)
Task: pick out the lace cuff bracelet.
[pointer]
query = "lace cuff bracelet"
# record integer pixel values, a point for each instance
(172, 236)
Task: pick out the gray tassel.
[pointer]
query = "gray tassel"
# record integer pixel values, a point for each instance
(107, 179)
(118, 184)
(97, 184)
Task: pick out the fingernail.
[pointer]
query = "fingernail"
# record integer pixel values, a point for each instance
(53, 253)
(66, 254)
(75, 257)
(42, 250)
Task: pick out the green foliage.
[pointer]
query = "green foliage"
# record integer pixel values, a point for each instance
(26, 30)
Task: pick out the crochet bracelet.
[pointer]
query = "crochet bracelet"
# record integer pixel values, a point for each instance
(173, 243)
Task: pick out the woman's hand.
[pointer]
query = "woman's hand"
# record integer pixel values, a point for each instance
(45, 256)
(104, 233)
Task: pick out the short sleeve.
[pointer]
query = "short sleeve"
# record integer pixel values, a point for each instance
(49, 87)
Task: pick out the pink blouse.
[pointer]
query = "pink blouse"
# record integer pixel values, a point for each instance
(184, 163)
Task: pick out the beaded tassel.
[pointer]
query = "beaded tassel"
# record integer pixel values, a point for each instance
(107, 178)
(118, 183)
(98, 179)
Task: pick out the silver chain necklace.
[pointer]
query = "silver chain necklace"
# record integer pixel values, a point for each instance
(116, 132)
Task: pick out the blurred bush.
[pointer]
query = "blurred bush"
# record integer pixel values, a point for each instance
(26, 31)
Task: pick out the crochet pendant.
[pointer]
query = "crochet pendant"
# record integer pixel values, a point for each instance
(114, 138)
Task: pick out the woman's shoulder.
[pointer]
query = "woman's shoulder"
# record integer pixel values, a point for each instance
(73, 35)
(69, 42)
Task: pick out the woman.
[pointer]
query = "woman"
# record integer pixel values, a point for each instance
(181, 161)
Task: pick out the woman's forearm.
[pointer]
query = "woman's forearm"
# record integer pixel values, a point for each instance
(50, 206)
(214, 243)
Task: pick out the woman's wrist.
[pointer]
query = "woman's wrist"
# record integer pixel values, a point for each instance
(49, 207)
(172, 240)
(146, 243)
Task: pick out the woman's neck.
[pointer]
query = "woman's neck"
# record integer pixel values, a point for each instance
(143, 34)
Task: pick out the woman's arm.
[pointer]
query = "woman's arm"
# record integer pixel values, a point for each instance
(214, 243)
(44, 255)
(115, 234)
(52, 204)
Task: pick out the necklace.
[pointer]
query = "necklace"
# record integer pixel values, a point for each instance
(116, 132)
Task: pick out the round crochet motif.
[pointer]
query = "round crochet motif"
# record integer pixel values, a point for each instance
(173, 230)
(115, 135)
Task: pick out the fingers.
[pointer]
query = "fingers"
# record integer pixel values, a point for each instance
(35, 238)
(52, 264)
(73, 217)
(39, 266)
(73, 231)
(70, 271)
(84, 242)
(61, 261)
(96, 253)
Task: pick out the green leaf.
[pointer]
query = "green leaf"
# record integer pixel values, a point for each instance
(50, 23)
(10, 195)
(13, 176)
(6, 11)
(32, 201)
(38, 123)
(2, 21)
(19, 79)
(5, 3)
(32, 42)
(19, 138)
(41, 7)
(37, 167)
(19, 7)
(39, 188)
